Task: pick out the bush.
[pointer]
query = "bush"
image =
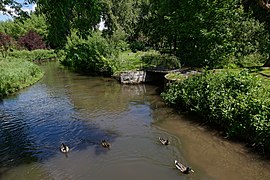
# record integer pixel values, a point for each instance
(88, 55)
(137, 46)
(164, 60)
(237, 102)
(32, 40)
(16, 74)
(5, 43)
(39, 54)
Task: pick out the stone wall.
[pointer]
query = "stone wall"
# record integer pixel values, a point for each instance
(133, 77)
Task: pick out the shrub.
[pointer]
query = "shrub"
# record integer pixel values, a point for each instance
(16, 74)
(137, 46)
(88, 55)
(38, 54)
(237, 102)
(32, 40)
(164, 60)
(5, 43)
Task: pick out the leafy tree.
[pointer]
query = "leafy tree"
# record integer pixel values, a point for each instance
(15, 6)
(89, 55)
(32, 40)
(122, 15)
(260, 10)
(204, 33)
(64, 15)
(18, 27)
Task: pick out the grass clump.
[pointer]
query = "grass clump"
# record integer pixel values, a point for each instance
(34, 55)
(238, 102)
(16, 74)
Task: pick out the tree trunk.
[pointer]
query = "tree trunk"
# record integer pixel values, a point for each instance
(267, 64)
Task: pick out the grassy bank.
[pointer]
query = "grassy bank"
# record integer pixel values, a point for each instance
(16, 74)
(237, 102)
(35, 55)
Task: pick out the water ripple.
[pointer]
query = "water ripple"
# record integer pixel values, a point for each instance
(34, 124)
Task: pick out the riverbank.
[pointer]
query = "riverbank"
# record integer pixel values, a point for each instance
(234, 101)
(17, 73)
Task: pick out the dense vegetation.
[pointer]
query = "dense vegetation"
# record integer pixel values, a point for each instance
(200, 34)
(88, 55)
(236, 101)
(14, 77)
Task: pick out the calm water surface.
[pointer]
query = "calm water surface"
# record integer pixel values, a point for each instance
(81, 111)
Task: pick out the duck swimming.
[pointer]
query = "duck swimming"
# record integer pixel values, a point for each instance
(182, 168)
(164, 141)
(105, 144)
(64, 148)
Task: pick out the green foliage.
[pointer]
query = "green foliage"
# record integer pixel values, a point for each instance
(63, 16)
(118, 41)
(127, 61)
(5, 43)
(137, 46)
(142, 60)
(16, 74)
(121, 15)
(18, 28)
(39, 54)
(161, 60)
(204, 33)
(88, 55)
(237, 102)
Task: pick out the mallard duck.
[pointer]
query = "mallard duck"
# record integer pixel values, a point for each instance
(182, 168)
(105, 144)
(164, 141)
(64, 148)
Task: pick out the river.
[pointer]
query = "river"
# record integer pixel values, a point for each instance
(80, 111)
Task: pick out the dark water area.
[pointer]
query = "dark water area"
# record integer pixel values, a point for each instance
(80, 111)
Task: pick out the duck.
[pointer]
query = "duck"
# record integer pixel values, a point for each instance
(182, 168)
(64, 148)
(105, 144)
(164, 141)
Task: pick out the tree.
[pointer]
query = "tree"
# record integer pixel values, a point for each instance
(7, 5)
(204, 33)
(123, 15)
(63, 16)
(32, 40)
(17, 27)
(260, 10)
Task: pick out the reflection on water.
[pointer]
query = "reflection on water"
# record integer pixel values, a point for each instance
(34, 124)
(81, 111)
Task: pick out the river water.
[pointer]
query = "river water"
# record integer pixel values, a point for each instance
(80, 111)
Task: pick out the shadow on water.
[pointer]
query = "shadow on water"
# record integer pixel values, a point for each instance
(34, 124)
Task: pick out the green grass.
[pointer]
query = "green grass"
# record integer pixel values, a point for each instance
(39, 54)
(16, 74)
(127, 61)
(140, 60)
